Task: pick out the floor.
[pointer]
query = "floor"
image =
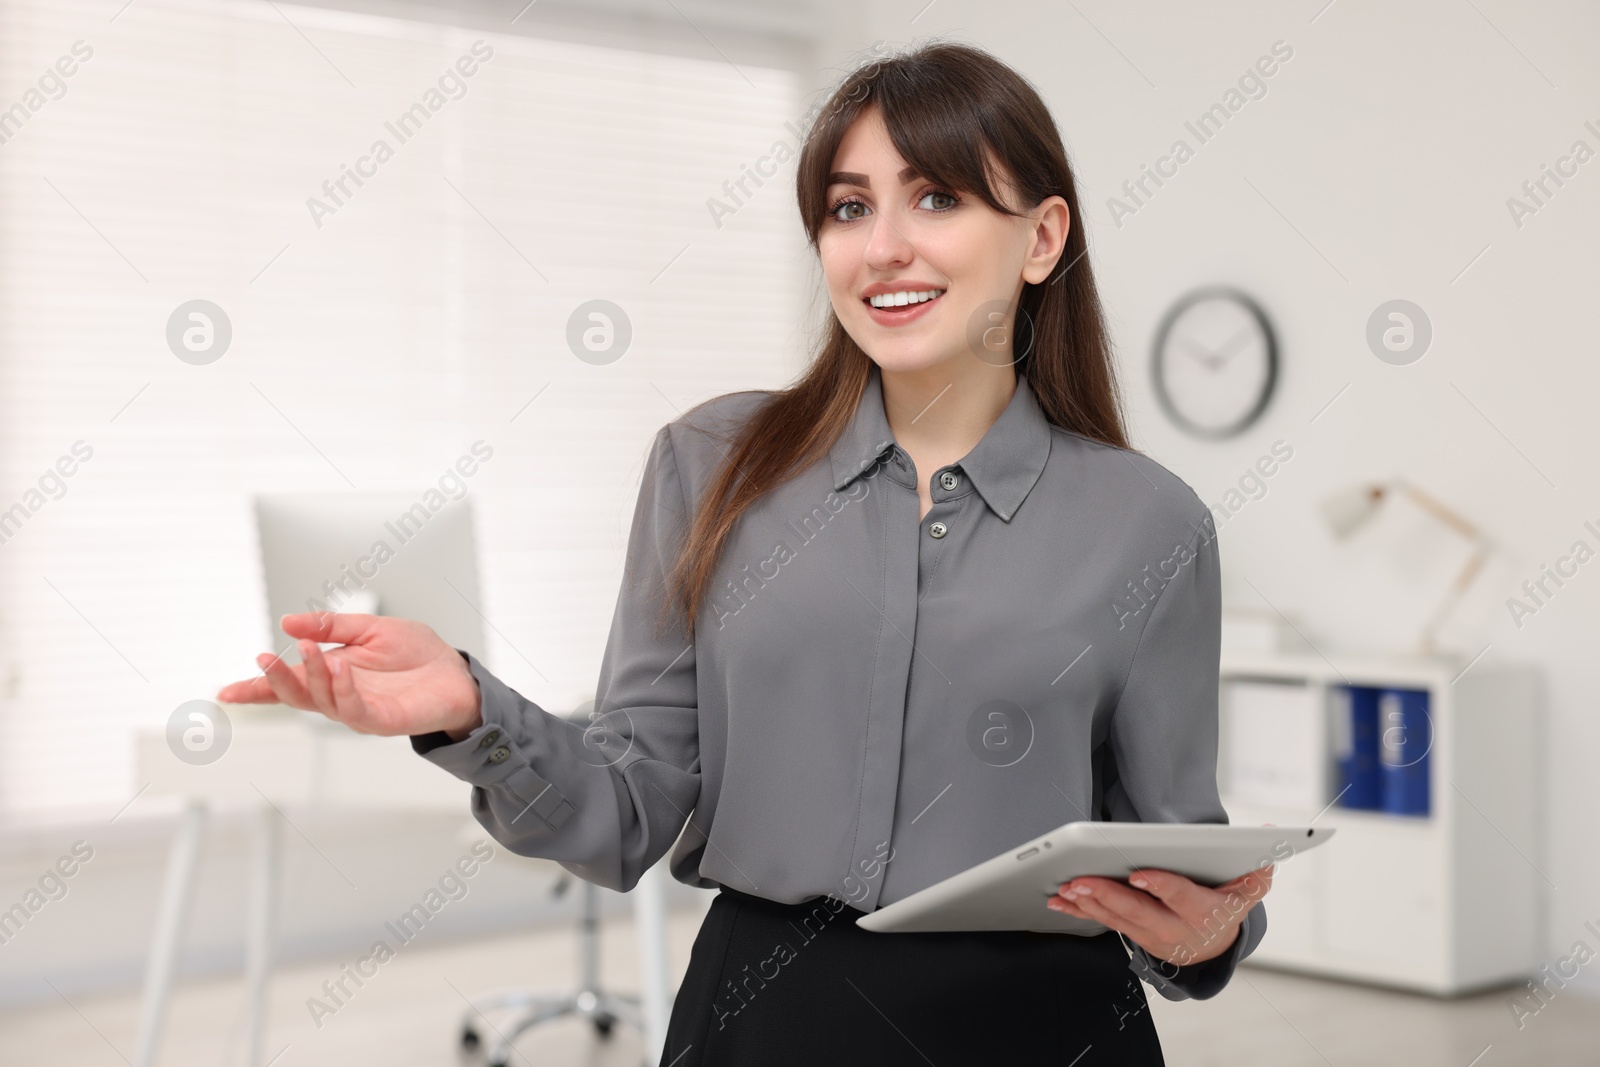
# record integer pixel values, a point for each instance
(407, 1015)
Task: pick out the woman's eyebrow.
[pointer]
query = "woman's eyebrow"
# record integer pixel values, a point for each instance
(850, 177)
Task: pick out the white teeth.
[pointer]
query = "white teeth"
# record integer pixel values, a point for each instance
(904, 297)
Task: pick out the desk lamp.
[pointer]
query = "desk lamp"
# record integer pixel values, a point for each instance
(1350, 509)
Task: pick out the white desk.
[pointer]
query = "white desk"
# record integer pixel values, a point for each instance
(280, 756)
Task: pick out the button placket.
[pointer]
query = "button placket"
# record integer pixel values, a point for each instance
(937, 524)
(944, 483)
(901, 564)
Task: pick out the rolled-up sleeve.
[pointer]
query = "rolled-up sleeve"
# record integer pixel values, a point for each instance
(607, 798)
(1163, 737)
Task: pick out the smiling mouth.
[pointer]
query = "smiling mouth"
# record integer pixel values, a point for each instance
(902, 302)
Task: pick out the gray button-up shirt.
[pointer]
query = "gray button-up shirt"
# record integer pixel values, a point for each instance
(874, 702)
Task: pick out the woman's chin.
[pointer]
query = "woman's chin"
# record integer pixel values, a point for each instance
(908, 357)
(902, 359)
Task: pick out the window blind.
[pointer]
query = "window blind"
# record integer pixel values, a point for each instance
(386, 308)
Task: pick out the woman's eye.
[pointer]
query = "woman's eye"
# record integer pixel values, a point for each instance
(946, 196)
(844, 205)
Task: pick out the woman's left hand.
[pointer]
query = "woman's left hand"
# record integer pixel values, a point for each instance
(1166, 914)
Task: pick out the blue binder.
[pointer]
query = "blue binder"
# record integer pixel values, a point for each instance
(1404, 741)
(1355, 731)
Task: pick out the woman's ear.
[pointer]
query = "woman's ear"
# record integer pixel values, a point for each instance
(1051, 221)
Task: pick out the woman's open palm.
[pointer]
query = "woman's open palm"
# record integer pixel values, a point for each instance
(392, 676)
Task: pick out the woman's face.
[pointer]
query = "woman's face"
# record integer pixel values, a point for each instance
(890, 231)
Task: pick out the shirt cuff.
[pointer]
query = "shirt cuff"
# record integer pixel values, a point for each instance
(490, 756)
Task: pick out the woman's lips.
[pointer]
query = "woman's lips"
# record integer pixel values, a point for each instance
(899, 316)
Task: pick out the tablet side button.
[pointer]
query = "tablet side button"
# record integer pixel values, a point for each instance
(1025, 853)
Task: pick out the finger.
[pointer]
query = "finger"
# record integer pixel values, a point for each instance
(1095, 910)
(1177, 892)
(1088, 881)
(1253, 885)
(1201, 913)
(247, 691)
(285, 683)
(1159, 943)
(317, 680)
(352, 709)
(1132, 905)
(1065, 907)
(1243, 892)
(328, 626)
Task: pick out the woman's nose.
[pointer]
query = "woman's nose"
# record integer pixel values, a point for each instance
(887, 245)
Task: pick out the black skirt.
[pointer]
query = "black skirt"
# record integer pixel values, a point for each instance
(777, 984)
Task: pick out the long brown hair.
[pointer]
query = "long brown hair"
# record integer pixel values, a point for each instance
(948, 108)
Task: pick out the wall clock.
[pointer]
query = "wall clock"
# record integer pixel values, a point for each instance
(1216, 362)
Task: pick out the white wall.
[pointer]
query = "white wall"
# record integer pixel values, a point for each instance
(1390, 141)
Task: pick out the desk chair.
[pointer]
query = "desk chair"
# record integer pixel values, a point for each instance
(590, 1001)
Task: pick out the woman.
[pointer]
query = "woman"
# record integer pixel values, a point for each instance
(878, 627)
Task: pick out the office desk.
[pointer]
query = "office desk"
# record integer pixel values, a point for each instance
(282, 757)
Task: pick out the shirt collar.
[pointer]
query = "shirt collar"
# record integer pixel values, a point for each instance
(1003, 466)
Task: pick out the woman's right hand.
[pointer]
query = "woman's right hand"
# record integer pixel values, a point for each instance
(392, 676)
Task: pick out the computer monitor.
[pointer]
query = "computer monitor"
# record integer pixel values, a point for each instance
(371, 553)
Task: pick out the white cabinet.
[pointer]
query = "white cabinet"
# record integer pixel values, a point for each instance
(1444, 903)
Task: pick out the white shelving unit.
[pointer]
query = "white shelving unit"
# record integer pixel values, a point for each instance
(1446, 903)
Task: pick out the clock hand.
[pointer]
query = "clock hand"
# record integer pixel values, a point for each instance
(1246, 333)
(1207, 359)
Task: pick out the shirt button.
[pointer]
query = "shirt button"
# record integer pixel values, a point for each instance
(489, 738)
(499, 755)
(938, 529)
(949, 480)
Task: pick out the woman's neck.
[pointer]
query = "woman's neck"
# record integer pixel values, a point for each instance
(939, 413)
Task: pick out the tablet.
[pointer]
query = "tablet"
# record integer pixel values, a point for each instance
(1009, 891)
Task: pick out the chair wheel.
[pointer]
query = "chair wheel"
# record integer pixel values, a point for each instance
(469, 1038)
(604, 1024)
